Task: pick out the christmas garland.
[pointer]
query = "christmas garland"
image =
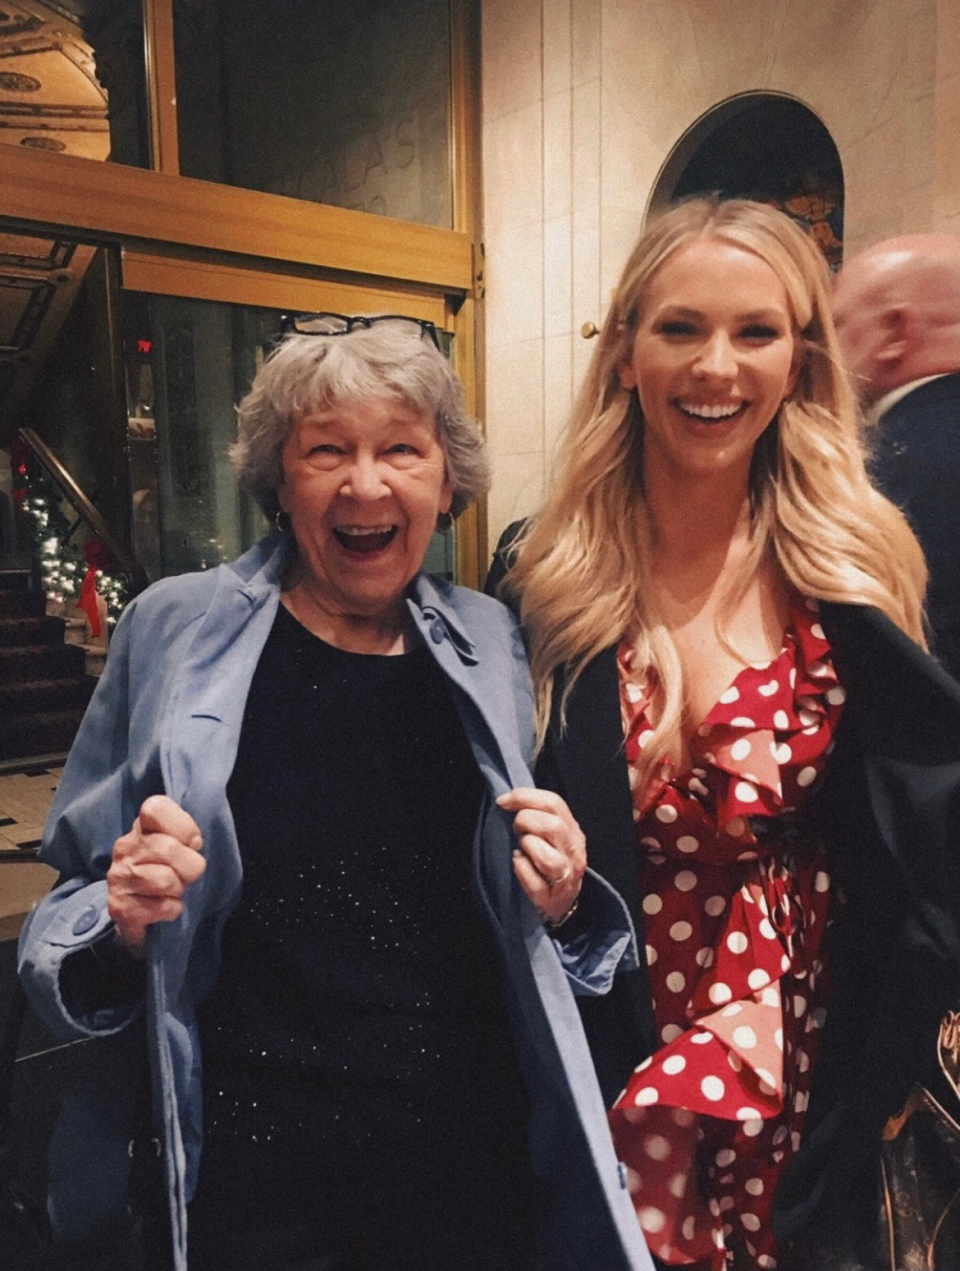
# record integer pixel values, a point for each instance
(68, 573)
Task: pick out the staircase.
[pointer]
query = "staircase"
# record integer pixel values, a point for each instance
(44, 688)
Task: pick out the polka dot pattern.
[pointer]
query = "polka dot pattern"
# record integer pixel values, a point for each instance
(713, 1089)
(657, 1147)
(734, 916)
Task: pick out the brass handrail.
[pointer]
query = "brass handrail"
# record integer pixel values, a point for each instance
(79, 501)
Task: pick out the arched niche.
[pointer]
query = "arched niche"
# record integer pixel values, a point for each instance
(764, 146)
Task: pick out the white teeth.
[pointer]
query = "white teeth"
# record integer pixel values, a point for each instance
(710, 412)
(359, 530)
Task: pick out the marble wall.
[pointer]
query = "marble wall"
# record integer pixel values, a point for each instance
(583, 102)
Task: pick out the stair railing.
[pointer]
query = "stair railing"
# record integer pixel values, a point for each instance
(85, 510)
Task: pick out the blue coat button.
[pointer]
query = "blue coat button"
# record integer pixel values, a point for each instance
(86, 922)
(437, 631)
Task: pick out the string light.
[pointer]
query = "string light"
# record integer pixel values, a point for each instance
(62, 566)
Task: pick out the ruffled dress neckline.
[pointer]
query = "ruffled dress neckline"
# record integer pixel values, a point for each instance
(736, 900)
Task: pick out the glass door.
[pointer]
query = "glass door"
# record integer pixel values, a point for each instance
(189, 359)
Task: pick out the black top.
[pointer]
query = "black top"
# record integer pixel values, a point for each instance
(359, 1015)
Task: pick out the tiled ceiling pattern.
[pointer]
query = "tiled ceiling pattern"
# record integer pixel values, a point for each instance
(49, 95)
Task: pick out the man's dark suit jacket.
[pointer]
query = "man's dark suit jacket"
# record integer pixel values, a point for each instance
(888, 809)
(917, 464)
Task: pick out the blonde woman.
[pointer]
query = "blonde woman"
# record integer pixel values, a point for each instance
(725, 627)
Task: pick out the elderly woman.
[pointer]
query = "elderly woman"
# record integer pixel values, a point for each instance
(292, 801)
(724, 623)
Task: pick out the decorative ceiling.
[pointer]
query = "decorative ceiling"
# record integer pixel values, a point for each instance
(50, 98)
(39, 280)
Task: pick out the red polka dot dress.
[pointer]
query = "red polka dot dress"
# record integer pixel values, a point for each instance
(735, 911)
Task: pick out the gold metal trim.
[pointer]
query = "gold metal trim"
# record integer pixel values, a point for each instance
(465, 166)
(170, 275)
(161, 85)
(464, 117)
(110, 200)
(932, 1264)
(889, 1211)
(472, 525)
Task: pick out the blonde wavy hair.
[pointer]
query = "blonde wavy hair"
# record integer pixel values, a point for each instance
(582, 567)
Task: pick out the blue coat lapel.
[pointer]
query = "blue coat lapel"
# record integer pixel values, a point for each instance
(479, 665)
(212, 688)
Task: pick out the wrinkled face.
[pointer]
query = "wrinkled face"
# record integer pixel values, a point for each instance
(713, 357)
(363, 484)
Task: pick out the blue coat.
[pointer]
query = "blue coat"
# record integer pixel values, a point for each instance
(166, 717)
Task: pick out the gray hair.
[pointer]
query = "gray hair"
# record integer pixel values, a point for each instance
(311, 372)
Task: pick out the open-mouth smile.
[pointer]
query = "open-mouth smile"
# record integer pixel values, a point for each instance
(363, 539)
(711, 413)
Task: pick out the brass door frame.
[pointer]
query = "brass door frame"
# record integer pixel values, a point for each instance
(110, 201)
(240, 282)
(157, 214)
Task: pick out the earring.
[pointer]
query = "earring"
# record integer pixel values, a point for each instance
(281, 520)
(444, 522)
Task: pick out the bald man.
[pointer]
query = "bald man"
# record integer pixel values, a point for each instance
(897, 309)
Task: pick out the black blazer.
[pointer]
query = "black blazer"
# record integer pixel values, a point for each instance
(888, 809)
(916, 463)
